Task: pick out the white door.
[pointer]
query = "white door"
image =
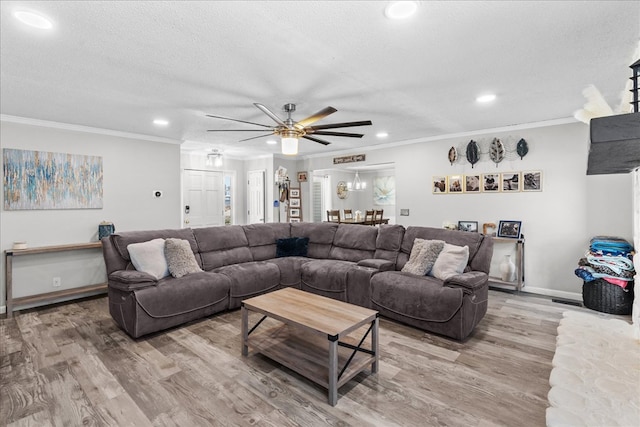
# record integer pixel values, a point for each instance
(203, 196)
(255, 200)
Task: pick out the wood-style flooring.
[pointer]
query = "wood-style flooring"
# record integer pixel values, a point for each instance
(70, 365)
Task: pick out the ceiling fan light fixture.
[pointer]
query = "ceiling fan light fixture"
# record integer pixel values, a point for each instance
(400, 9)
(289, 146)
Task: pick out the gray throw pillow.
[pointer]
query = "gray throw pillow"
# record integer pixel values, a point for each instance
(423, 255)
(180, 258)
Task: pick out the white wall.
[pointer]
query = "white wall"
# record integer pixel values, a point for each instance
(132, 169)
(557, 222)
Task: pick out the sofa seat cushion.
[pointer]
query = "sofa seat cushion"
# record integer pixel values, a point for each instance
(249, 279)
(290, 269)
(174, 296)
(327, 277)
(418, 297)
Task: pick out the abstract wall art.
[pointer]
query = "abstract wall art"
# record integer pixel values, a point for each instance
(45, 180)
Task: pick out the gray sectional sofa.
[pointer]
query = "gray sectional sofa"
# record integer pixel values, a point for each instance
(354, 263)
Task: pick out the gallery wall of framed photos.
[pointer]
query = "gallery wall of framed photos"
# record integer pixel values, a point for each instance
(294, 209)
(492, 182)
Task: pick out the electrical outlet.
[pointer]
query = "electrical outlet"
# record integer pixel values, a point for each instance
(57, 281)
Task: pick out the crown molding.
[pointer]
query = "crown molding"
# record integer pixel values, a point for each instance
(85, 129)
(511, 128)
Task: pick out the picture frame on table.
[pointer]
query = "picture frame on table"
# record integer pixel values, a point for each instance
(471, 226)
(294, 213)
(294, 203)
(439, 184)
(510, 182)
(490, 183)
(303, 176)
(532, 181)
(509, 229)
(294, 219)
(294, 193)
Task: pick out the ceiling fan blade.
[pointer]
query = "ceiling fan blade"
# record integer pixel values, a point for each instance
(342, 125)
(324, 132)
(256, 137)
(269, 113)
(310, 138)
(236, 120)
(315, 117)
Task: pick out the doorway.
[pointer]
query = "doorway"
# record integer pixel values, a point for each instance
(203, 198)
(255, 197)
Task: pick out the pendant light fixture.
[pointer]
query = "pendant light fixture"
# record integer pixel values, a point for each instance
(357, 184)
(214, 158)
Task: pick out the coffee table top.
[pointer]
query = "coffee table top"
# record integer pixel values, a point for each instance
(317, 313)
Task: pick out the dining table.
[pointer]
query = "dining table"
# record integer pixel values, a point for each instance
(359, 221)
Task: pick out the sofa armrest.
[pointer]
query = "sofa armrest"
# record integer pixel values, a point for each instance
(130, 280)
(378, 264)
(471, 280)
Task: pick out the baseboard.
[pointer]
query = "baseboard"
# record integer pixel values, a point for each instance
(574, 296)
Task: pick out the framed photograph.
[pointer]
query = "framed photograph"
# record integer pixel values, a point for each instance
(455, 184)
(294, 193)
(490, 182)
(472, 183)
(294, 213)
(439, 184)
(510, 182)
(468, 226)
(510, 229)
(302, 176)
(294, 219)
(294, 203)
(532, 181)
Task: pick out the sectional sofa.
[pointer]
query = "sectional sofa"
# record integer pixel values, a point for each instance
(354, 263)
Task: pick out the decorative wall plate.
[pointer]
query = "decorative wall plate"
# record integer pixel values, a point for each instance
(473, 154)
(522, 148)
(342, 190)
(453, 155)
(496, 151)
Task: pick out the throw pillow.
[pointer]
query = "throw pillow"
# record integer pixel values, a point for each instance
(451, 261)
(180, 258)
(423, 255)
(294, 246)
(148, 257)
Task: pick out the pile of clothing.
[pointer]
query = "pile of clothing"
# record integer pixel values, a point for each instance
(610, 259)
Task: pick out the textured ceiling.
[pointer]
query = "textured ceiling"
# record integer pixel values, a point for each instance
(118, 65)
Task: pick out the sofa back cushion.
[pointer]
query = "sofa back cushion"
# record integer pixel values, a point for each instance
(222, 245)
(123, 239)
(320, 236)
(262, 238)
(389, 242)
(459, 238)
(353, 242)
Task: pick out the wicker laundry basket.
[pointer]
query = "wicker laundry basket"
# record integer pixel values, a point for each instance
(602, 296)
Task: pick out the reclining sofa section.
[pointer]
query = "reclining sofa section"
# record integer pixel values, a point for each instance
(353, 263)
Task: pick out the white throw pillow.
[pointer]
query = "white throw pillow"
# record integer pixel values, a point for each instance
(148, 257)
(451, 261)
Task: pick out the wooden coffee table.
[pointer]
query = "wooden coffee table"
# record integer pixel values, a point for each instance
(313, 336)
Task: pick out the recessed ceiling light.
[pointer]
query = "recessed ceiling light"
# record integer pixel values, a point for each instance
(400, 9)
(161, 122)
(382, 134)
(272, 141)
(33, 19)
(486, 98)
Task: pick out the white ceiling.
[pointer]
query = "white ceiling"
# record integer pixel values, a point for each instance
(118, 65)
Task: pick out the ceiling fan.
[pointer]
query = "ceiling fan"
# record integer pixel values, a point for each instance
(290, 131)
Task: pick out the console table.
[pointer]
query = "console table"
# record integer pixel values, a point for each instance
(8, 271)
(519, 283)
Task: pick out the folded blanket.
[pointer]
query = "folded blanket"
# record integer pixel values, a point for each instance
(606, 245)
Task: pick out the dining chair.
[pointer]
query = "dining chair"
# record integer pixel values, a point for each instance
(333, 215)
(369, 217)
(377, 216)
(348, 214)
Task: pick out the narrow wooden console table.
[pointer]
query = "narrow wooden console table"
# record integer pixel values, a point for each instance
(8, 271)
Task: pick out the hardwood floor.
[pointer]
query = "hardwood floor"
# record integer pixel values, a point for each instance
(70, 365)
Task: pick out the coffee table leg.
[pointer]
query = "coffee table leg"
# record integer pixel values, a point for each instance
(333, 370)
(374, 346)
(245, 330)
